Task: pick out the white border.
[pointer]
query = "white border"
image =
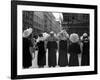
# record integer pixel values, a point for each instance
(21, 71)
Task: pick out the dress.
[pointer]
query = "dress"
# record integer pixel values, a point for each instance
(41, 54)
(27, 58)
(63, 60)
(74, 50)
(52, 49)
(85, 54)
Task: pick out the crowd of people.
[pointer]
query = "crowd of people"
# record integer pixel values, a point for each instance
(69, 49)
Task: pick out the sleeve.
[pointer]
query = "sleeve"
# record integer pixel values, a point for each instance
(31, 50)
(81, 46)
(45, 44)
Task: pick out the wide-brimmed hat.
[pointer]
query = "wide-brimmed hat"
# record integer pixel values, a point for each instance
(27, 32)
(74, 38)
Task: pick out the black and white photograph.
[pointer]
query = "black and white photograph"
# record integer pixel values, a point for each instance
(53, 40)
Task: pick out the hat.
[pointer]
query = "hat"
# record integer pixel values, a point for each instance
(85, 34)
(51, 32)
(74, 38)
(27, 32)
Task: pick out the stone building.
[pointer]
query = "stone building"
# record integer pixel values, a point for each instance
(76, 23)
(50, 23)
(27, 19)
(40, 22)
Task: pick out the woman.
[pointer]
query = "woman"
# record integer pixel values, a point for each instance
(52, 50)
(74, 50)
(85, 50)
(27, 57)
(41, 52)
(63, 45)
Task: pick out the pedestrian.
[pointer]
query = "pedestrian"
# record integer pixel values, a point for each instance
(41, 52)
(85, 50)
(74, 50)
(63, 45)
(52, 49)
(27, 57)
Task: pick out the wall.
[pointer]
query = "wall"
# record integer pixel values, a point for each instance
(76, 23)
(5, 40)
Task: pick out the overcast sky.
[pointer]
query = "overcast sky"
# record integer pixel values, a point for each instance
(58, 16)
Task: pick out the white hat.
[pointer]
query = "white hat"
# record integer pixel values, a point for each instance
(27, 32)
(74, 38)
(85, 34)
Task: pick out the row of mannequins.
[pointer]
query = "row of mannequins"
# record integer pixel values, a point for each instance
(68, 48)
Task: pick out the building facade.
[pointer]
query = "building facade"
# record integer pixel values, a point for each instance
(50, 23)
(40, 22)
(27, 19)
(76, 23)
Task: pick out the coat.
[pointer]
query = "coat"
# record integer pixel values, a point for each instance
(74, 50)
(63, 59)
(41, 54)
(27, 57)
(52, 49)
(85, 53)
